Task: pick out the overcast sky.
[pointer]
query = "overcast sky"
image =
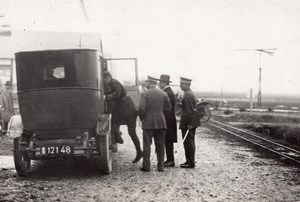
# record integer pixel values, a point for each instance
(197, 39)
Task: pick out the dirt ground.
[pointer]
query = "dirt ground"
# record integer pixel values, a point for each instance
(226, 170)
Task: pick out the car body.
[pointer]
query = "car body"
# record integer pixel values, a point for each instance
(62, 108)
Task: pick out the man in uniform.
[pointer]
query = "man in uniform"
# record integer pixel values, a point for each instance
(154, 102)
(123, 112)
(189, 122)
(6, 102)
(171, 133)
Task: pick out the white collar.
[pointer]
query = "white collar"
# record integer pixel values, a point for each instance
(166, 87)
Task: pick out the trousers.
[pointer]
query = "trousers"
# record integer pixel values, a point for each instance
(170, 151)
(159, 140)
(189, 145)
(116, 135)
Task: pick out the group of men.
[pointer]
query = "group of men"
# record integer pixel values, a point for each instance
(157, 114)
(156, 111)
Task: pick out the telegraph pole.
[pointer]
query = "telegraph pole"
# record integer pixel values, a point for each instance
(269, 51)
(221, 100)
(259, 83)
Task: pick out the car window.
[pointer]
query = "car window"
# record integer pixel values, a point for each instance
(54, 72)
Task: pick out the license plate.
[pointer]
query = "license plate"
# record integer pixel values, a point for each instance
(57, 150)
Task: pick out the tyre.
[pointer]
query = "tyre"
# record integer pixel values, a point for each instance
(104, 162)
(113, 147)
(204, 112)
(21, 157)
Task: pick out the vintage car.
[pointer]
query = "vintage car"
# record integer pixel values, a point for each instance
(62, 108)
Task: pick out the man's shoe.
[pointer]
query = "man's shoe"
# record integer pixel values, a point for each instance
(187, 166)
(183, 164)
(169, 164)
(160, 169)
(138, 157)
(144, 169)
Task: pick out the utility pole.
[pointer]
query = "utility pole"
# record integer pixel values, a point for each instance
(259, 83)
(85, 15)
(251, 101)
(221, 100)
(269, 51)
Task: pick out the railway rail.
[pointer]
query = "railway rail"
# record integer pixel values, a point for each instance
(249, 136)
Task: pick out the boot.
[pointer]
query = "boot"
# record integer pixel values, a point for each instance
(117, 134)
(138, 157)
(119, 138)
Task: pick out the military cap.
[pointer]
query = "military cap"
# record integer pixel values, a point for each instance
(185, 80)
(152, 80)
(165, 78)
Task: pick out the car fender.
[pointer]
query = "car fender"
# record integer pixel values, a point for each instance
(103, 124)
(15, 127)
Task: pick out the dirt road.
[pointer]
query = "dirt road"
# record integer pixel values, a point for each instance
(226, 170)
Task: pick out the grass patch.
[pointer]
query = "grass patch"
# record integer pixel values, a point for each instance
(279, 126)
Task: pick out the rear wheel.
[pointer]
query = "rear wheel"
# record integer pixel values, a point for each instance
(104, 163)
(204, 113)
(21, 156)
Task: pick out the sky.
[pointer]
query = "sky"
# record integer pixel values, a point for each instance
(197, 39)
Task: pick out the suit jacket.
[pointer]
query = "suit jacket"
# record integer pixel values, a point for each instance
(189, 115)
(154, 102)
(171, 134)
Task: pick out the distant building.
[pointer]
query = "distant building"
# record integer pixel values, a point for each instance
(281, 106)
(6, 66)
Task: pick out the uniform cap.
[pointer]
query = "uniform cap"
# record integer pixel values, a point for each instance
(185, 80)
(152, 80)
(165, 78)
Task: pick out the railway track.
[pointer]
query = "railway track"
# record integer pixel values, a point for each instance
(275, 147)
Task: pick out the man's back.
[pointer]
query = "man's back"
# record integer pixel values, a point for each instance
(152, 105)
(116, 89)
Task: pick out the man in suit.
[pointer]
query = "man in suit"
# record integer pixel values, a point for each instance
(171, 133)
(154, 102)
(6, 102)
(189, 122)
(123, 112)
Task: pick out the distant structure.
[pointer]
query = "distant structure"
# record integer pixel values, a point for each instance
(6, 68)
(269, 51)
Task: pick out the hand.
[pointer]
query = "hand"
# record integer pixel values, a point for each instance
(109, 97)
(189, 127)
